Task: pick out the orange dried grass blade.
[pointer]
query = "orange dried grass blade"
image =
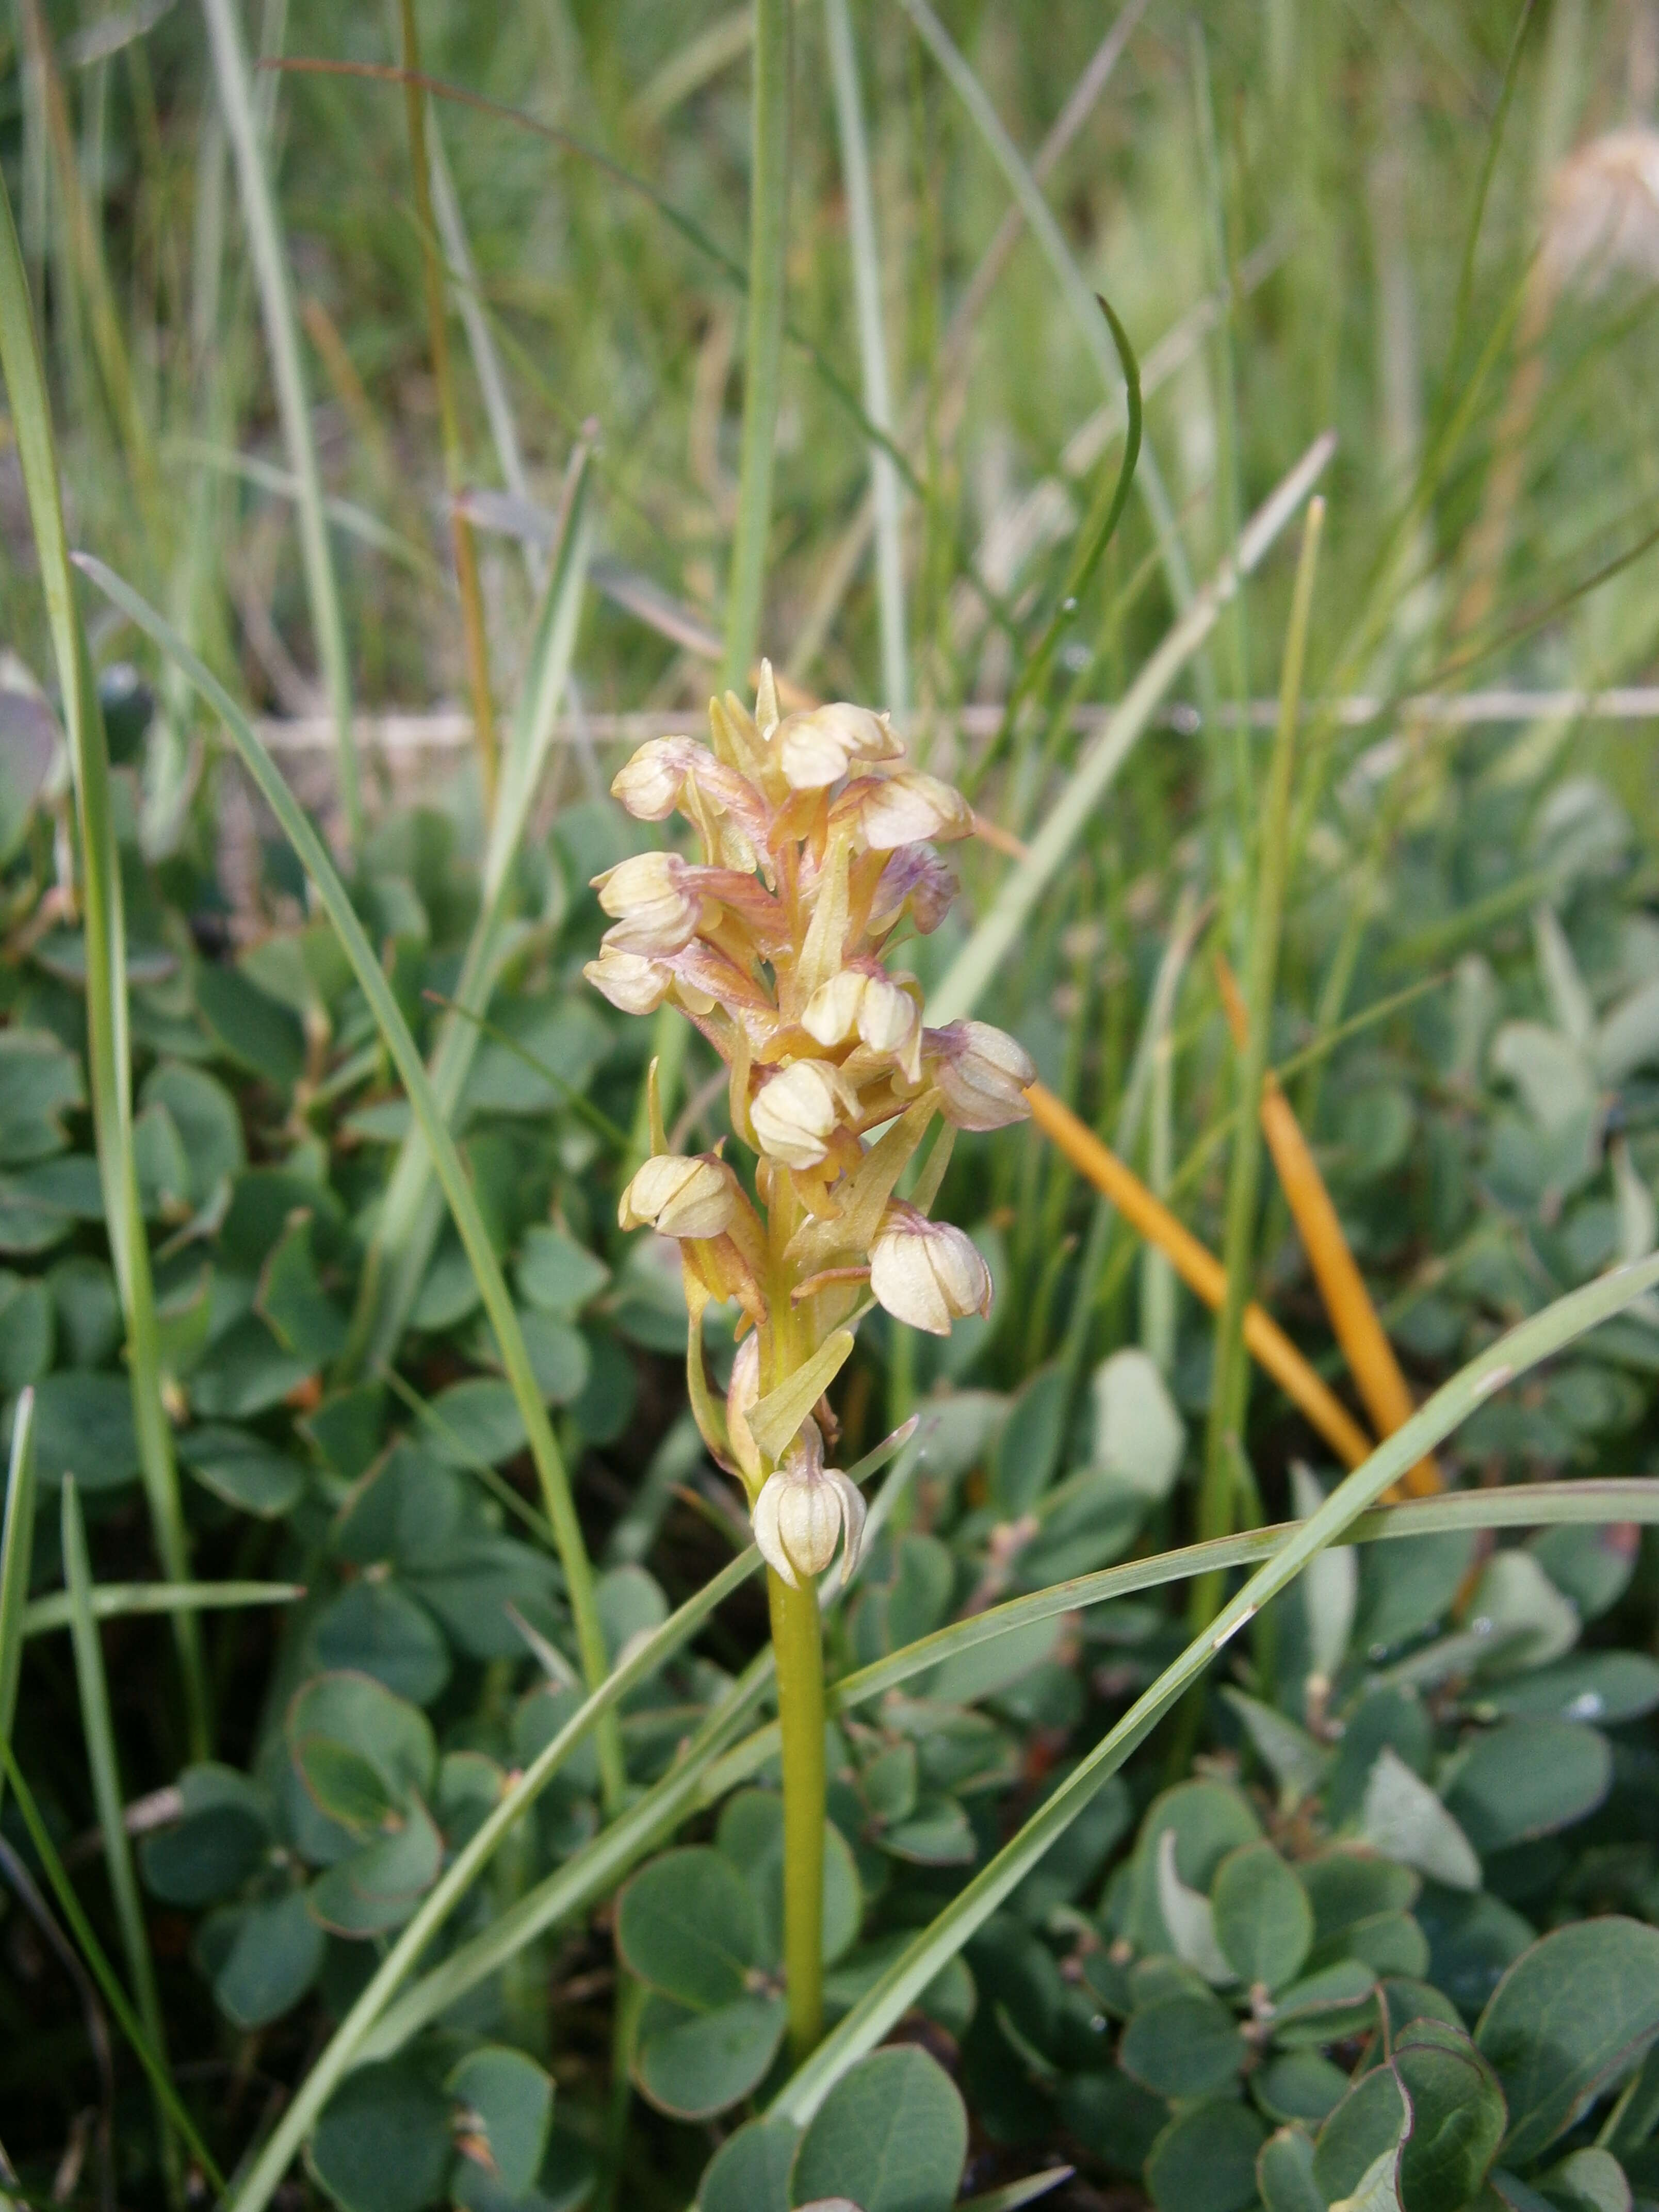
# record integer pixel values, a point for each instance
(1200, 1269)
(1352, 1317)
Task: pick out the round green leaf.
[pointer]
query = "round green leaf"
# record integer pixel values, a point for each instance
(1351, 1884)
(1458, 2117)
(206, 1116)
(506, 2106)
(1591, 1686)
(383, 2143)
(477, 1419)
(891, 2135)
(1405, 1819)
(693, 2064)
(28, 1330)
(1263, 1920)
(687, 1925)
(936, 1832)
(749, 2172)
(274, 1955)
(558, 1273)
(1527, 1778)
(750, 1834)
(1299, 2085)
(1184, 2046)
(1365, 2126)
(355, 1710)
(1207, 1821)
(377, 1888)
(375, 1628)
(218, 1844)
(250, 1027)
(1589, 2180)
(1205, 2159)
(83, 1427)
(242, 1469)
(89, 1311)
(558, 1355)
(1574, 2012)
(1284, 2175)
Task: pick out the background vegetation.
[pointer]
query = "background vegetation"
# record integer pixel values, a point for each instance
(1368, 1916)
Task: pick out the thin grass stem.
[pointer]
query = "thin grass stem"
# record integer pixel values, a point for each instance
(269, 258)
(768, 240)
(108, 1042)
(109, 1800)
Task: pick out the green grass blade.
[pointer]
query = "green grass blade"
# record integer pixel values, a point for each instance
(411, 1210)
(429, 1115)
(345, 2047)
(103, 1973)
(16, 1551)
(1074, 290)
(1513, 1354)
(590, 1873)
(1593, 1502)
(873, 349)
(768, 240)
(136, 1601)
(694, 1781)
(270, 259)
(716, 1770)
(1229, 1394)
(992, 939)
(109, 1801)
(108, 1048)
(481, 342)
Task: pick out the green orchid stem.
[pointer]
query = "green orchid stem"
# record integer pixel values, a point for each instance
(798, 1644)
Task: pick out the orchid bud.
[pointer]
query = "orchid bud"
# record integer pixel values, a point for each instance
(796, 1113)
(981, 1074)
(915, 879)
(804, 1511)
(655, 911)
(907, 809)
(742, 1396)
(867, 1002)
(650, 784)
(633, 984)
(926, 1272)
(817, 748)
(681, 1197)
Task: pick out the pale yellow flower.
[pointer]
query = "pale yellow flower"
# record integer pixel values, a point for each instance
(981, 1074)
(804, 1511)
(866, 1002)
(656, 909)
(817, 748)
(798, 1113)
(906, 809)
(633, 983)
(681, 1197)
(926, 1272)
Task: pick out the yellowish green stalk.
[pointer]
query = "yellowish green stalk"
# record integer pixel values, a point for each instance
(798, 1644)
